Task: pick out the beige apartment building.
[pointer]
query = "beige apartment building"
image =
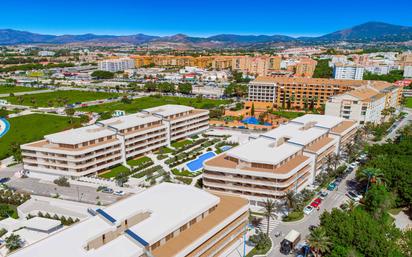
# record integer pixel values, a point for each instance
(260, 65)
(95, 148)
(302, 93)
(284, 159)
(364, 104)
(155, 223)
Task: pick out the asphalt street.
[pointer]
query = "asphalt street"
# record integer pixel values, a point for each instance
(333, 200)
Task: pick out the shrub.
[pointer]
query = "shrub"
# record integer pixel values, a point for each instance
(62, 181)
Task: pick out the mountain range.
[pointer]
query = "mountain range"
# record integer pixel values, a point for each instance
(370, 31)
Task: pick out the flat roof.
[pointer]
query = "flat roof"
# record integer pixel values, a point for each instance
(129, 121)
(169, 109)
(170, 206)
(324, 121)
(79, 135)
(42, 224)
(263, 150)
(297, 133)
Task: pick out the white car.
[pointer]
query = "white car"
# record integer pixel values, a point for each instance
(119, 193)
(353, 196)
(353, 165)
(308, 210)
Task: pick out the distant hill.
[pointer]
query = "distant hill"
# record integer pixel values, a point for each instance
(370, 31)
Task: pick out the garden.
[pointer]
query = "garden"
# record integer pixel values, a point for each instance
(14, 89)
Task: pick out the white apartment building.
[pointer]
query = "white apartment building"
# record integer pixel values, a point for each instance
(407, 72)
(284, 159)
(342, 71)
(156, 222)
(364, 104)
(115, 65)
(181, 121)
(336, 59)
(95, 148)
(46, 53)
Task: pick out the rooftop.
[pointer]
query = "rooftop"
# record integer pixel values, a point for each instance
(79, 135)
(129, 121)
(167, 213)
(169, 109)
(323, 121)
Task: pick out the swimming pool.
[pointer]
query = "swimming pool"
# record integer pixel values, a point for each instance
(5, 126)
(225, 148)
(197, 164)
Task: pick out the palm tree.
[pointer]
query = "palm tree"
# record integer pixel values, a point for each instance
(351, 205)
(291, 201)
(270, 208)
(13, 242)
(350, 151)
(319, 242)
(336, 160)
(371, 175)
(256, 222)
(329, 161)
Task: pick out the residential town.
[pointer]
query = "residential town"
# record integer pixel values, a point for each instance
(228, 145)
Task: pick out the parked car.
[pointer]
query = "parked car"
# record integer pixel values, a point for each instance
(119, 193)
(314, 204)
(323, 194)
(308, 210)
(107, 190)
(331, 186)
(353, 196)
(4, 180)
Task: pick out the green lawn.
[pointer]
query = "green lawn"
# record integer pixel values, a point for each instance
(139, 161)
(28, 128)
(164, 150)
(181, 143)
(408, 102)
(115, 171)
(153, 101)
(8, 90)
(59, 98)
(8, 210)
(288, 115)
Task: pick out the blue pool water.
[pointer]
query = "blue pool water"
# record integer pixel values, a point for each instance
(197, 164)
(225, 148)
(254, 121)
(6, 129)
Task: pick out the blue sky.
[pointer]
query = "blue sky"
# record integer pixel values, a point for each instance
(198, 17)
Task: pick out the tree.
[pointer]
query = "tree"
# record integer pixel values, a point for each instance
(378, 201)
(252, 110)
(270, 207)
(121, 178)
(371, 175)
(126, 100)
(319, 241)
(13, 242)
(70, 112)
(101, 74)
(323, 70)
(150, 87)
(16, 151)
(291, 200)
(256, 222)
(185, 88)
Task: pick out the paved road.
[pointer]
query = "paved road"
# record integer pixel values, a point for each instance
(28, 92)
(333, 200)
(79, 193)
(405, 121)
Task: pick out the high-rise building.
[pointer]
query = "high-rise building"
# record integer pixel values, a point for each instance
(348, 71)
(115, 65)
